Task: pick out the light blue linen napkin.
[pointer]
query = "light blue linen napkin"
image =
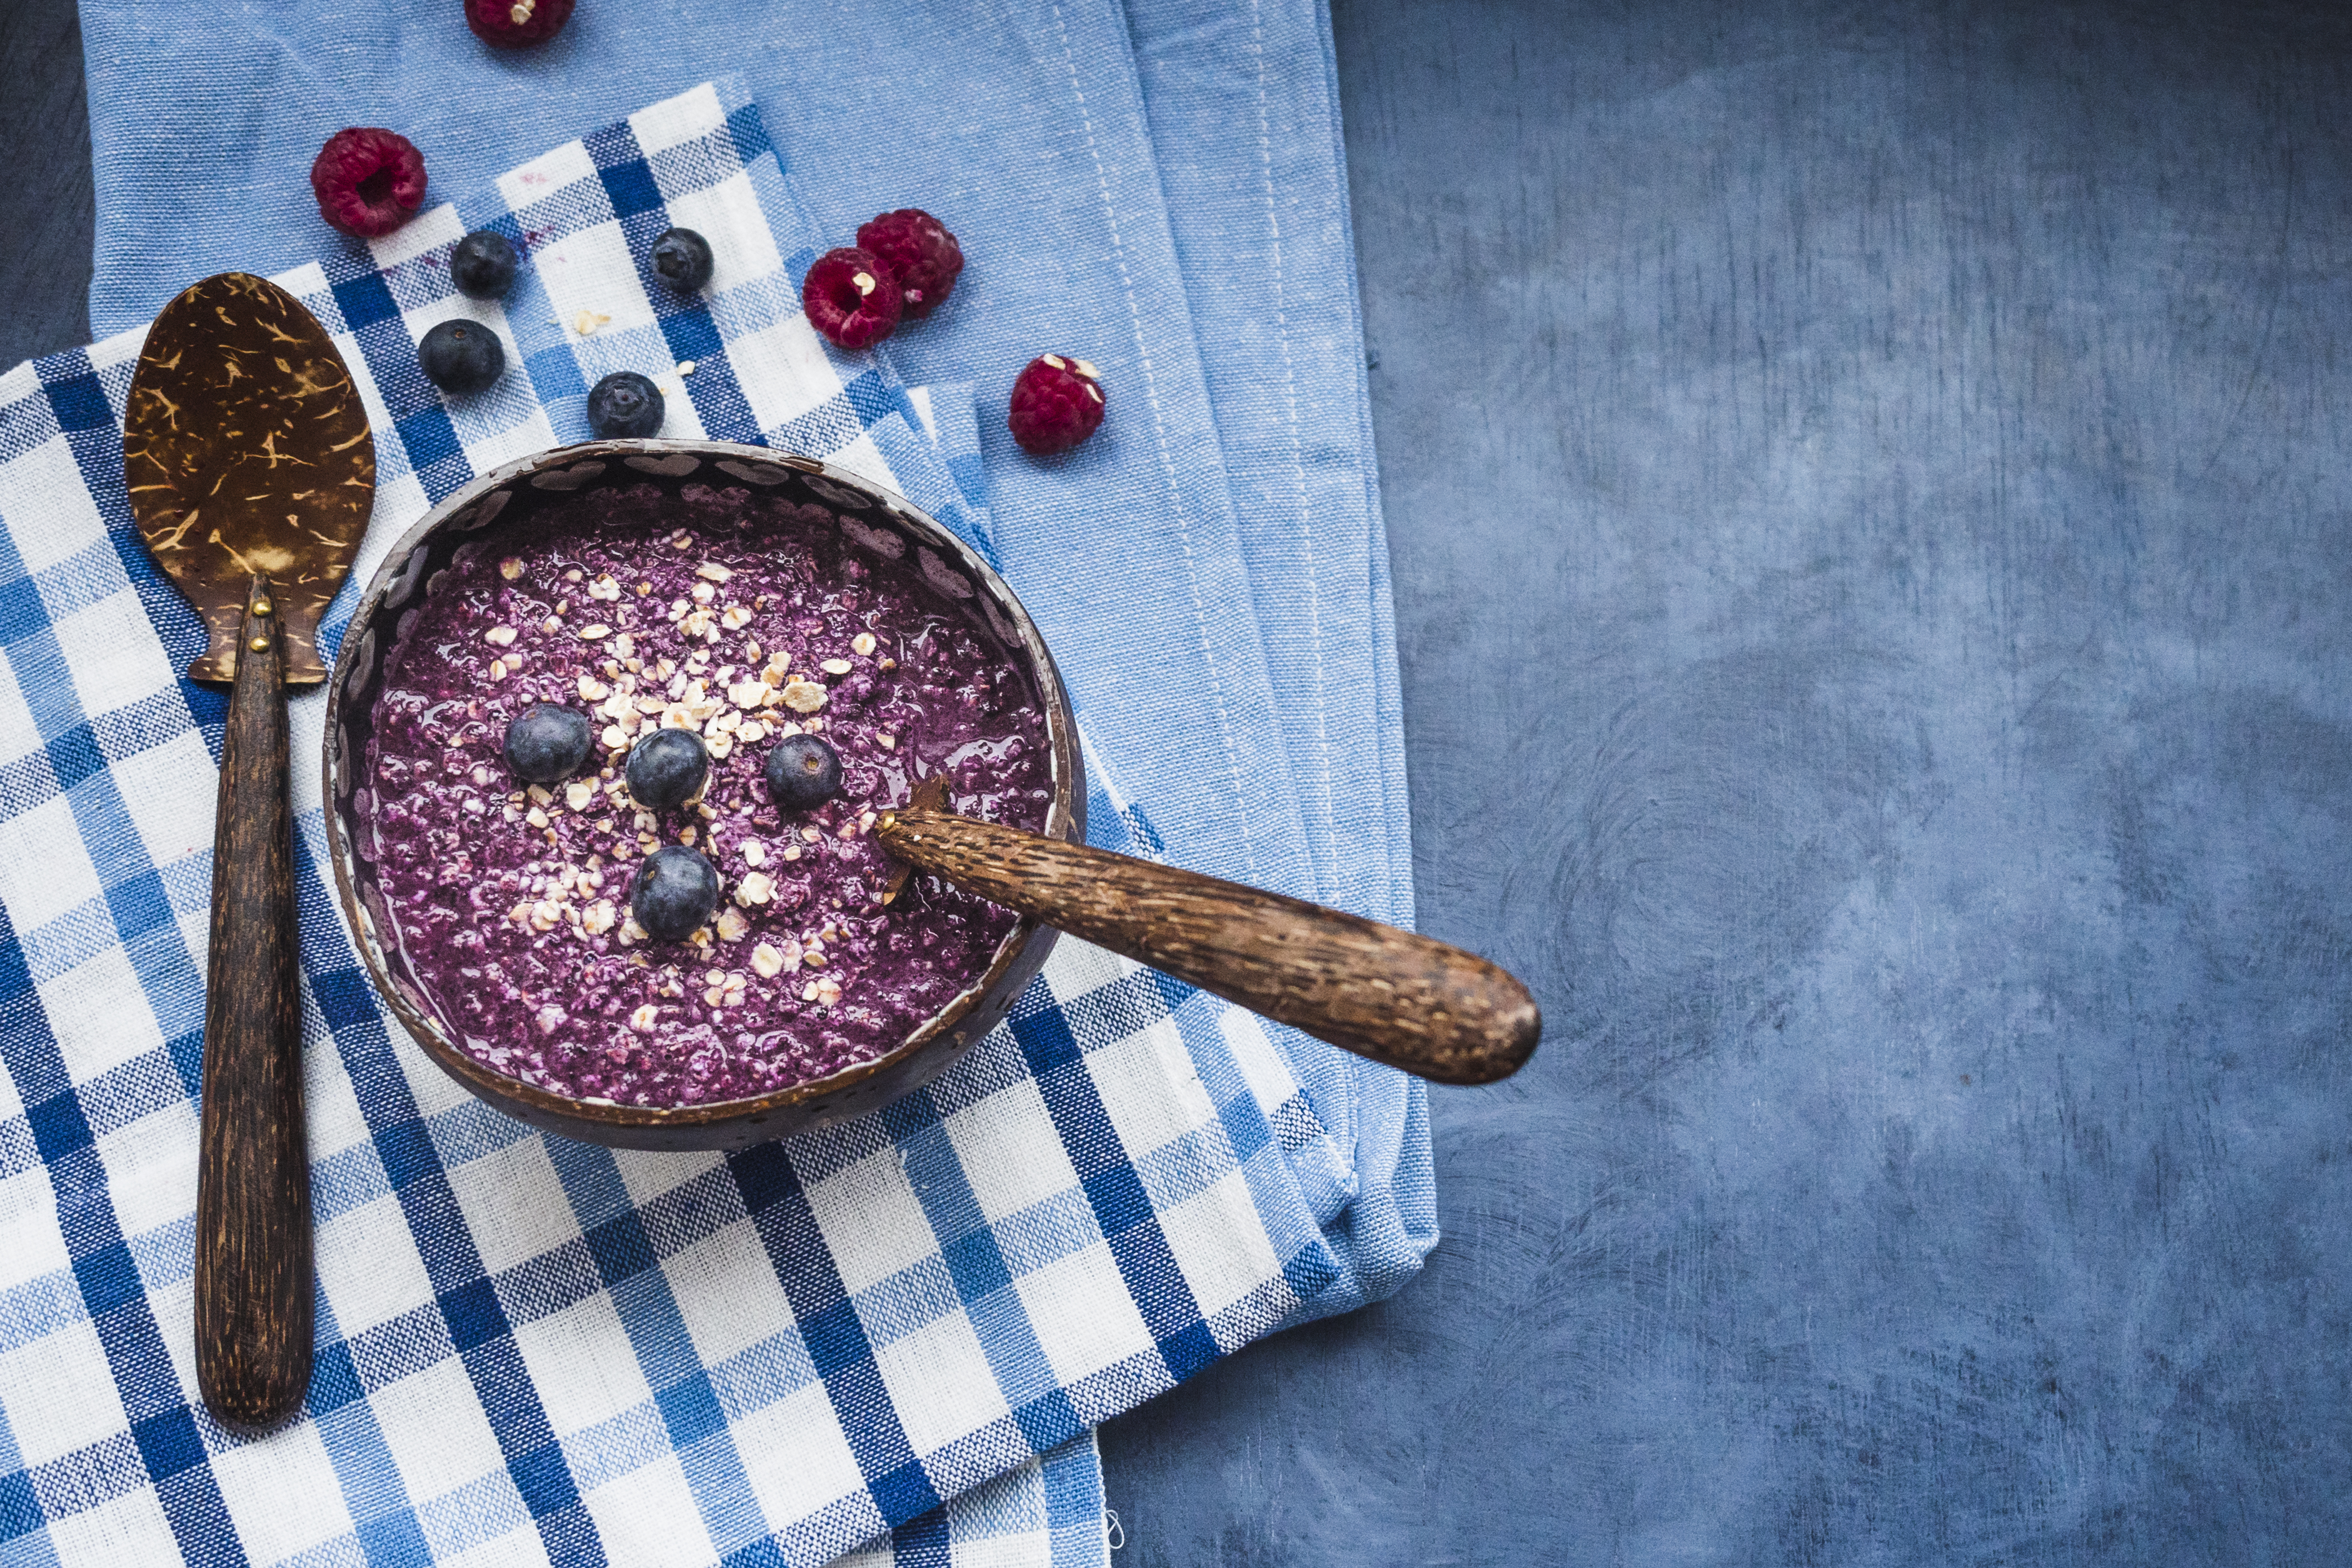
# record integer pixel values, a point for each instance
(1245, 112)
(1029, 128)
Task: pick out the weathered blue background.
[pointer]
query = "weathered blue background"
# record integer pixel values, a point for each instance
(1873, 522)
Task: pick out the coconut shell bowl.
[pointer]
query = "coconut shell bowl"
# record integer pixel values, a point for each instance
(472, 520)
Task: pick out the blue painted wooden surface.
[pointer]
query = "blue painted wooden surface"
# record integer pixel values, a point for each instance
(1872, 530)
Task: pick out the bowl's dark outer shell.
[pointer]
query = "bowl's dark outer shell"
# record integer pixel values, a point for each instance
(472, 518)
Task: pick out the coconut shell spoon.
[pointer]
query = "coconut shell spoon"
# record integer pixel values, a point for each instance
(251, 475)
(1389, 995)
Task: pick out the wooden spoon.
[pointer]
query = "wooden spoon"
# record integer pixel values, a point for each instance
(1389, 995)
(251, 475)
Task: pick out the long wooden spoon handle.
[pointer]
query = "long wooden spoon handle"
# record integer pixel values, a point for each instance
(1382, 993)
(254, 1305)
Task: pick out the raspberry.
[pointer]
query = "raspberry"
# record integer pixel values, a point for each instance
(851, 297)
(368, 181)
(1056, 403)
(516, 24)
(918, 248)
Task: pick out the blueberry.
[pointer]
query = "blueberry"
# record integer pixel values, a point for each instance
(483, 264)
(461, 356)
(804, 772)
(547, 744)
(666, 766)
(674, 892)
(625, 403)
(683, 260)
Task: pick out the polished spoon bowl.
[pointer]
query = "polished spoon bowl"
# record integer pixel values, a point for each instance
(251, 475)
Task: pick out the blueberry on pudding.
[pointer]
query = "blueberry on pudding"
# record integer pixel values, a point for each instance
(802, 772)
(546, 744)
(666, 768)
(675, 893)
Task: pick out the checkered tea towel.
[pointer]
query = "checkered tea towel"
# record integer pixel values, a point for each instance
(1155, 184)
(890, 1337)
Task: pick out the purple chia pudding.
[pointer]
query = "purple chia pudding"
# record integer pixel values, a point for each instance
(747, 620)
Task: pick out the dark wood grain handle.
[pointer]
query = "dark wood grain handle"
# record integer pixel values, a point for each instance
(253, 1175)
(1386, 994)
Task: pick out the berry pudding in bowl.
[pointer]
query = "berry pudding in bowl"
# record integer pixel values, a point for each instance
(607, 740)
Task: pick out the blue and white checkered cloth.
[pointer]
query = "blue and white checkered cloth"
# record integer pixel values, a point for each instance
(891, 1337)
